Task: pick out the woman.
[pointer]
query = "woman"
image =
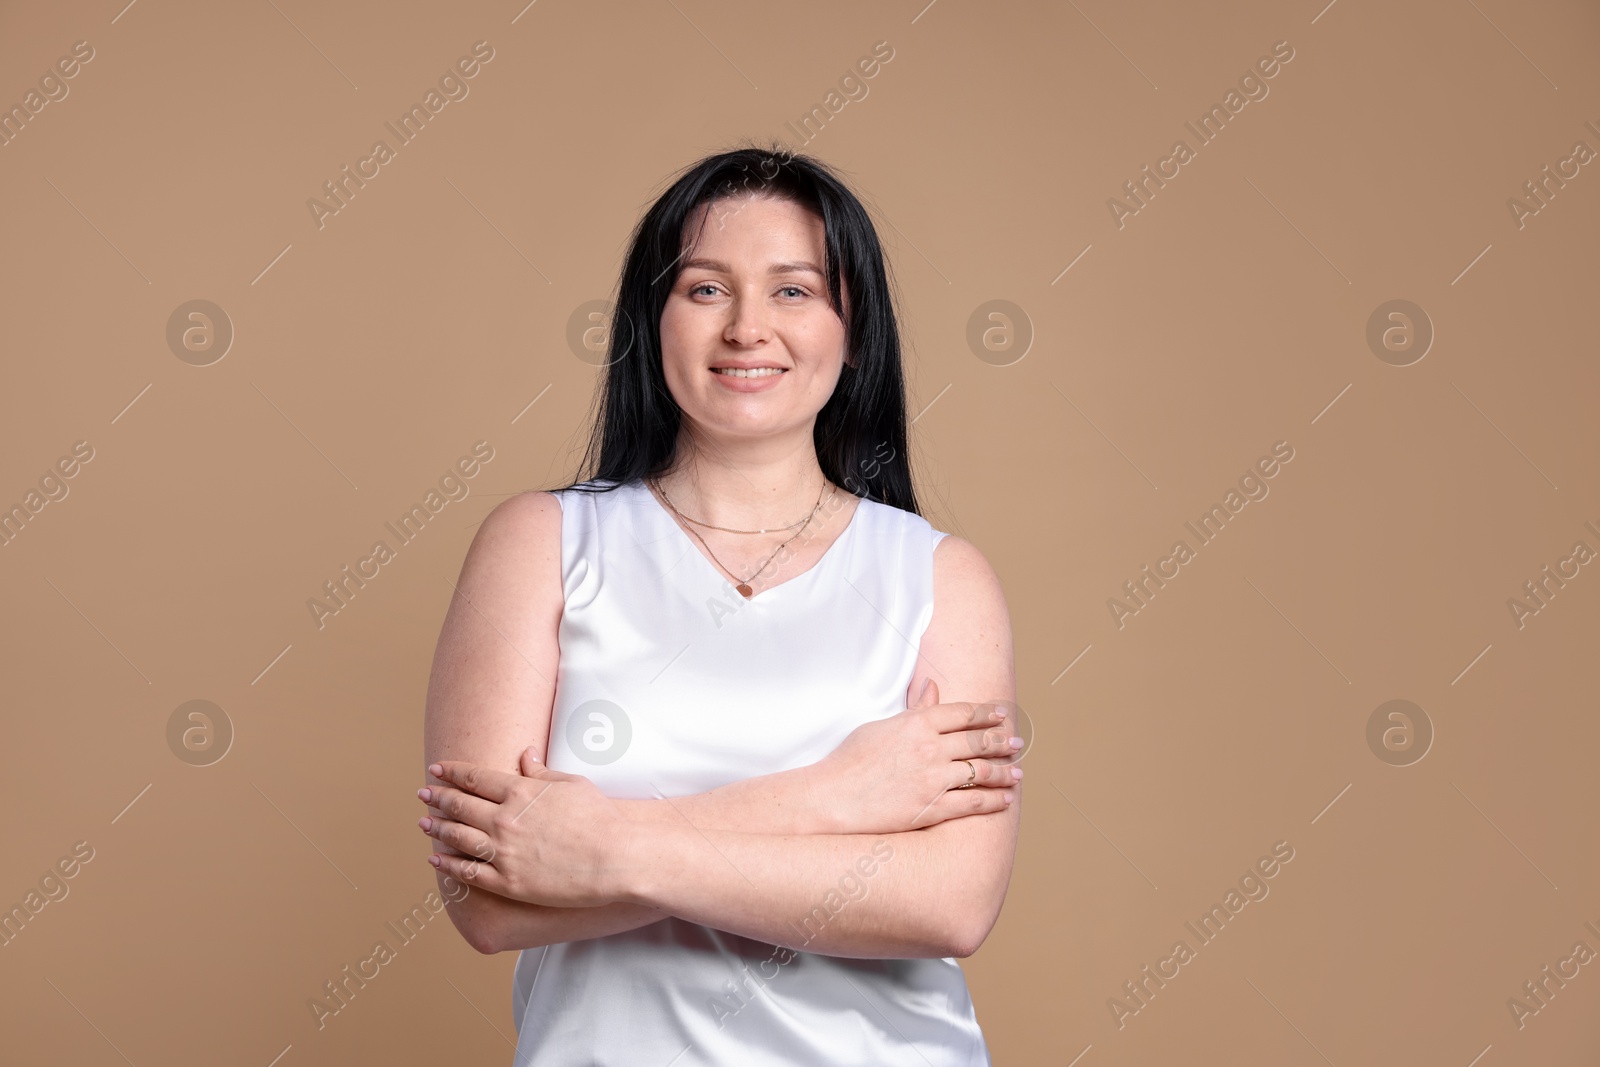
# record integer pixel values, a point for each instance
(686, 739)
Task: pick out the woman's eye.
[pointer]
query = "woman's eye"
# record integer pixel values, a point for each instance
(709, 289)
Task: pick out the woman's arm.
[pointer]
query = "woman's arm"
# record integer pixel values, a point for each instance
(933, 892)
(940, 899)
(887, 776)
(489, 696)
(938, 892)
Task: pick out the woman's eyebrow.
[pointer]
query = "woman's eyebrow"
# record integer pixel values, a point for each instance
(801, 267)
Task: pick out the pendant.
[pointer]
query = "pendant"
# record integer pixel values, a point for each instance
(745, 590)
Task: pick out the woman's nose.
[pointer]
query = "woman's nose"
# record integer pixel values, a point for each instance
(747, 323)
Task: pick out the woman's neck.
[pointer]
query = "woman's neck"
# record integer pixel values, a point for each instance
(744, 493)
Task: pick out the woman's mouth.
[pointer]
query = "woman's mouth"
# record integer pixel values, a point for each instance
(752, 372)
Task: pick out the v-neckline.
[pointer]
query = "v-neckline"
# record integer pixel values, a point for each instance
(709, 565)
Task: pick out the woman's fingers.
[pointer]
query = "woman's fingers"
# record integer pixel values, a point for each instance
(985, 773)
(956, 803)
(995, 742)
(964, 715)
(475, 778)
(472, 841)
(470, 871)
(460, 806)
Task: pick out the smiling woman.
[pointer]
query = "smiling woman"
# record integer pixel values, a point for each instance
(653, 802)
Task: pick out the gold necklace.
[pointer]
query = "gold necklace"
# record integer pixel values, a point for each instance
(744, 586)
(725, 529)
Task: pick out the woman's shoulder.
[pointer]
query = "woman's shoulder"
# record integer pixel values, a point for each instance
(968, 588)
(957, 562)
(531, 518)
(535, 515)
(543, 501)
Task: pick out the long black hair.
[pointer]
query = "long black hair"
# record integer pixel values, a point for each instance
(860, 433)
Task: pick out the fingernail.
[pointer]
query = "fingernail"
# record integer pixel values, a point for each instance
(433, 858)
(1016, 773)
(425, 794)
(436, 770)
(426, 823)
(997, 714)
(1008, 797)
(1016, 742)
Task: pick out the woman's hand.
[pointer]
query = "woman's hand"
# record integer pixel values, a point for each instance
(905, 772)
(541, 836)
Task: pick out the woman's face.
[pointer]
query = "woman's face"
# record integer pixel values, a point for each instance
(752, 300)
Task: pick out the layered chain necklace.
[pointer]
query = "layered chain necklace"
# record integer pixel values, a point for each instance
(744, 586)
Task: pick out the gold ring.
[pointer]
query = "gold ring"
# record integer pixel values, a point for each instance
(972, 775)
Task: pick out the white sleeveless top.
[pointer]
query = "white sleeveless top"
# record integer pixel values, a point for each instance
(671, 683)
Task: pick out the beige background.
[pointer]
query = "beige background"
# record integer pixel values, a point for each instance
(1229, 313)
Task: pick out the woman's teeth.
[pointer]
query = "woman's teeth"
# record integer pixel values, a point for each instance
(755, 372)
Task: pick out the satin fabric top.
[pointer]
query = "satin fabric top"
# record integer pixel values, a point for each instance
(670, 683)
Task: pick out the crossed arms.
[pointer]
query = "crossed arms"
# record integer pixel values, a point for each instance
(757, 857)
